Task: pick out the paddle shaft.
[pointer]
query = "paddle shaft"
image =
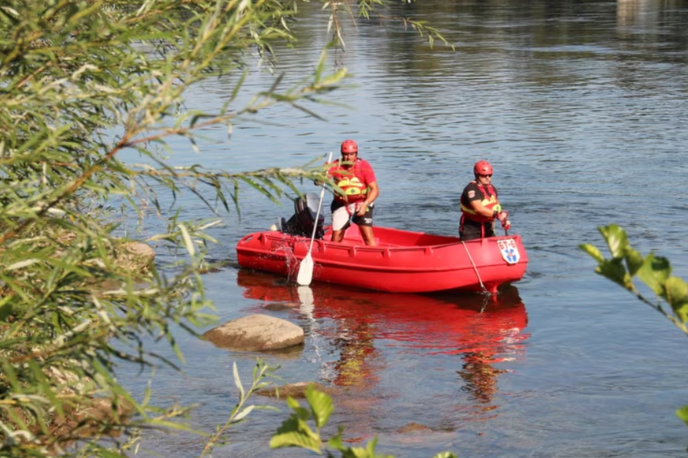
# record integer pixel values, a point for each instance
(317, 213)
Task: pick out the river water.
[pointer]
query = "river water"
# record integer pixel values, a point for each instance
(581, 108)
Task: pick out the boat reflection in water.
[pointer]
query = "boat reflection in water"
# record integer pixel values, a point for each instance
(372, 330)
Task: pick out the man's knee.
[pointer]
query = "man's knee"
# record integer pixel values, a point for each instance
(368, 235)
(337, 236)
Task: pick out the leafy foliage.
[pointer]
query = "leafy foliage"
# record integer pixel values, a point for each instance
(626, 264)
(296, 431)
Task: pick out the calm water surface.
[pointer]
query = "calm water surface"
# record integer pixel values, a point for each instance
(581, 108)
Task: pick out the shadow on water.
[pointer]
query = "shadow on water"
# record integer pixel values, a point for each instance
(376, 335)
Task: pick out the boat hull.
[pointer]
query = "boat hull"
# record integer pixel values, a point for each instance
(403, 261)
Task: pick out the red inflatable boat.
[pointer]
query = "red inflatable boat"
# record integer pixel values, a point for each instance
(403, 261)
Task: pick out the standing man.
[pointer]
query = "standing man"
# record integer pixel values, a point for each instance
(480, 206)
(355, 176)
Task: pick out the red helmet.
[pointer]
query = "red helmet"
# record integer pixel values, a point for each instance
(349, 146)
(482, 168)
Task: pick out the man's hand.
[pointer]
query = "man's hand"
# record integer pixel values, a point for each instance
(361, 208)
(503, 218)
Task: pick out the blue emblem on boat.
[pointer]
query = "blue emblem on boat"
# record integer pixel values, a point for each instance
(509, 251)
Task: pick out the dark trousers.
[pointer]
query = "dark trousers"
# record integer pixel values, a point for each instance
(470, 230)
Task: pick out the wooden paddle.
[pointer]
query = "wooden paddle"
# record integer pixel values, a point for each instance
(305, 275)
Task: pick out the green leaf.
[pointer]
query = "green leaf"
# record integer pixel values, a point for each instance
(593, 251)
(321, 405)
(677, 296)
(244, 413)
(616, 238)
(634, 261)
(289, 425)
(356, 452)
(681, 311)
(296, 439)
(188, 243)
(615, 271)
(654, 273)
(5, 308)
(293, 403)
(682, 413)
(445, 455)
(296, 433)
(337, 441)
(237, 381)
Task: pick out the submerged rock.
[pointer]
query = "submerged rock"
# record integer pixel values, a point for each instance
(295, 390)
(256, 333)
(278, 307)
(412, 428)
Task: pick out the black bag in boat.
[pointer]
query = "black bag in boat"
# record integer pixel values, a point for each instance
(301, 222)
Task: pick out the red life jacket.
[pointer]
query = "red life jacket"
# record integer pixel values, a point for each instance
(354, 189)
(490, 201)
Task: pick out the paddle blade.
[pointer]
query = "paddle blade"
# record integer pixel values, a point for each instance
(305, 275)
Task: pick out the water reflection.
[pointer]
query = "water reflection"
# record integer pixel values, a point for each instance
(638, 12)
(372, 332)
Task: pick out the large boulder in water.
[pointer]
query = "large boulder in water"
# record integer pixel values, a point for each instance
(135, 256)
(256, 333)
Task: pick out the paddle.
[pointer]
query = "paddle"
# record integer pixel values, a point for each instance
(305, 275)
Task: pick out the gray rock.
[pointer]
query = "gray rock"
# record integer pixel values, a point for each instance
(256, 333)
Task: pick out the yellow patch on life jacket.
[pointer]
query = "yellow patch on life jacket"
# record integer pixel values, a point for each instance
(352, 186)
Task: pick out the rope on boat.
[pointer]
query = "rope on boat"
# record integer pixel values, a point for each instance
(485, 291)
